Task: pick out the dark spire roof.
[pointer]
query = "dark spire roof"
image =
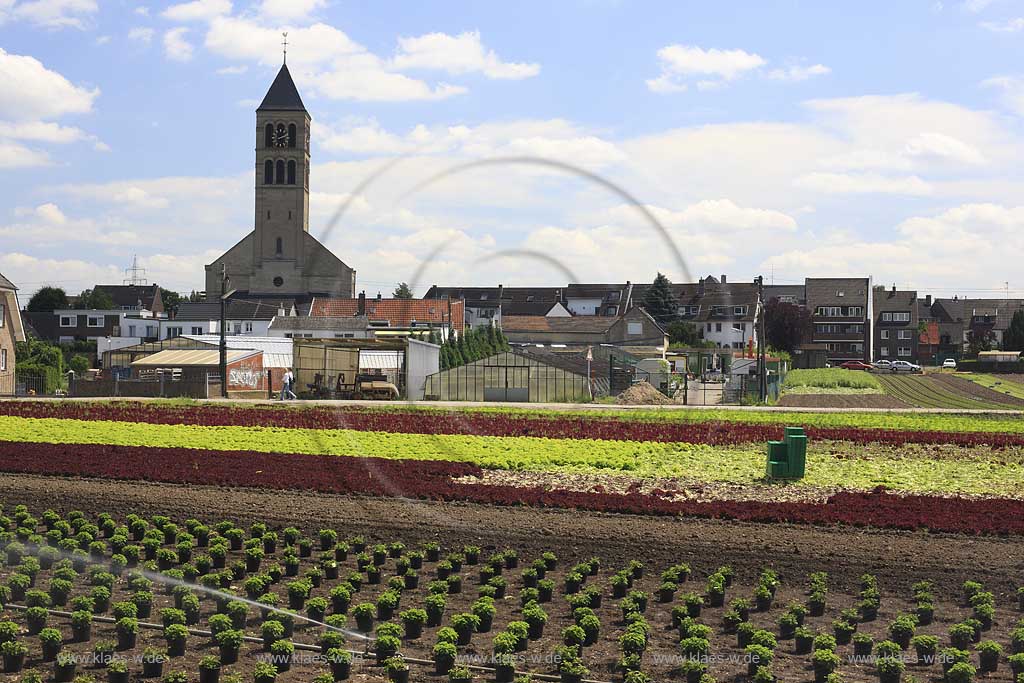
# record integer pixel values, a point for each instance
(282, 96)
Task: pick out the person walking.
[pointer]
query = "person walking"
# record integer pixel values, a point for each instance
(287, 381)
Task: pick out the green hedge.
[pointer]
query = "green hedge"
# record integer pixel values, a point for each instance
(973, 365)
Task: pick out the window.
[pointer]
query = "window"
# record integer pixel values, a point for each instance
(3, 359)
(268, 135)
(905, 334)
(883, 351)
(1, 315)
(885, 334)
(739, 310)
(279, 249)
(292, 134)
(248, 327)
(831, 346)
(279, 177)
(94, 321)
(68, 320)
(291, 172)
(611, 310)
(840, 292)
(278, 281)
(268, 172)
(173, 332)
(344, 335)
(131, 330)
(709, 327)
(634, 328)
(238, 328)
(197, 330)
(904, 352)
(887, 317)
(718, 327)
(901, 317)
(856, 310)
(858, 348)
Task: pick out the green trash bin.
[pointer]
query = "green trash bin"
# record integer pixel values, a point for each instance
(778, 460)
(794, 431)
(797, 447)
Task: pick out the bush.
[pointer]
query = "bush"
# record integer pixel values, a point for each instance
(961, 672)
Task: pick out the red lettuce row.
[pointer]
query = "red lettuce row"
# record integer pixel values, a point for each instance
(487, 424)
(436, 480)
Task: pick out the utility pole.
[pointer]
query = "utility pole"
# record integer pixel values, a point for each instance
(762, 365)
(224, 295)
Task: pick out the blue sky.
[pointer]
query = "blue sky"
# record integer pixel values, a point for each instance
(786, 138)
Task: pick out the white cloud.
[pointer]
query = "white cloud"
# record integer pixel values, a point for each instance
(363, 77)
(679, 62)
(975, 6)
(1014, 25)
(18, 156)
(175, 45)
(142, 11)
(141, 34)
(102, 40)
(799, 72)
(56, 13)
(289, 10)
(461, 54)
(937, 146)
(1012, 90)
(232, 70)
(28, 90)
(197, 10)
(41, 131)
(863, 183)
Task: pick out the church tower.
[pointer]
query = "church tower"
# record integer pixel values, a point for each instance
(282, 186)
(280, 259)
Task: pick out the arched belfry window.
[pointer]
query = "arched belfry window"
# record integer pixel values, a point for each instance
(280, 247)
(292, 135)
(280, 172)
(268, 172)
(268, 135)
(291, 172)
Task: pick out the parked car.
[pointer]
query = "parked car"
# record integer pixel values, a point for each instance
(856, 365)
(949, 364)
(904, 366)
(882, 364)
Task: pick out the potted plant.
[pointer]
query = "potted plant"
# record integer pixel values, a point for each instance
(545, 589)
(464, 625)
(176, 636)
(340, 662)
(788, 624)
(341, 597)
(117, 671)
(484, 609)
(13, 652)
(51, 641)
(316, 608)
(386, 646)
(127, 629)
(64, 668)
(444, 657)
(862, 644)
(902, 629)
(35, 619)
(824, 663)
(961, 672)
(396, 669)
(988, 654)
(925, 646)
(843, 631)
(230, 642)
(460, 674)
(271, 631)
(81, 626)
(281, 653)
(572, 670)
(298, 592)
(413, 620)
(264, 673)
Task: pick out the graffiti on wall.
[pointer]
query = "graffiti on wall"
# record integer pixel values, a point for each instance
(247, 376)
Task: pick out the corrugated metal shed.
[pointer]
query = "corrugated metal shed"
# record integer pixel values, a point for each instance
(380, 360)
(191, 358)
(277, 351)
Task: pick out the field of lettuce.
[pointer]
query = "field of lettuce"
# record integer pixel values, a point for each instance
(944, 472)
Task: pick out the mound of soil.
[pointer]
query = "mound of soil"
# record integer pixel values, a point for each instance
(840, 401)
(642, 394)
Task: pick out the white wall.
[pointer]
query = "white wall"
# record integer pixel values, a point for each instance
(421, 359)
(583, 306)
(728, 336)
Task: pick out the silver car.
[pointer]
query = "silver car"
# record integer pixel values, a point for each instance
(903, 366)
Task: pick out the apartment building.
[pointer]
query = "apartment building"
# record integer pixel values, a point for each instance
(841, 315)
(896, 322)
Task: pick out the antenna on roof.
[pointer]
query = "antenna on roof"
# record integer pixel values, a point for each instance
(284, 43)
(135, 275)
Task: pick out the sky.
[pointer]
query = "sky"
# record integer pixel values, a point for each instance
(788, 139)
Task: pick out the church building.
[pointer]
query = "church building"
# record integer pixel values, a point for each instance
(279, 259)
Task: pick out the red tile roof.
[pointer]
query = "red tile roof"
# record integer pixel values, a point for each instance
(398, 312)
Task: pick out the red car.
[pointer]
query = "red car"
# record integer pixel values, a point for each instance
(855, 365)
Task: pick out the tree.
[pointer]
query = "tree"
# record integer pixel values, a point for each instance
(1013, 338)
(48, 300)
(786, 325)
(79, 364)
(683, 334)
(171, 301)
(95, 300)
(659, 302)
(402, 291)
(980, 339)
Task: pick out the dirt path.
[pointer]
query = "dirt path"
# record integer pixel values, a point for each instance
(899, 557)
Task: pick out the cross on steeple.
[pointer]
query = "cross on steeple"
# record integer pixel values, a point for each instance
(284, 43)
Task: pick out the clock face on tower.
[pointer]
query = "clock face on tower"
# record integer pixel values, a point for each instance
(281, 136)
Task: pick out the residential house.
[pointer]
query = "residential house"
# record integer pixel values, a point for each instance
(634, 328)
(78, 324)
(959, 318)
(896, 322)
(841, 315)
(11, 331)
(598, 299)
(134, 297)
(725, 313)
(242, 318)
(396, 317)
(321, 327)
(485, 305)
(787, 294)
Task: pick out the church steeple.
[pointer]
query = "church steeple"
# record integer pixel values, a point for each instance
(283, 95)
